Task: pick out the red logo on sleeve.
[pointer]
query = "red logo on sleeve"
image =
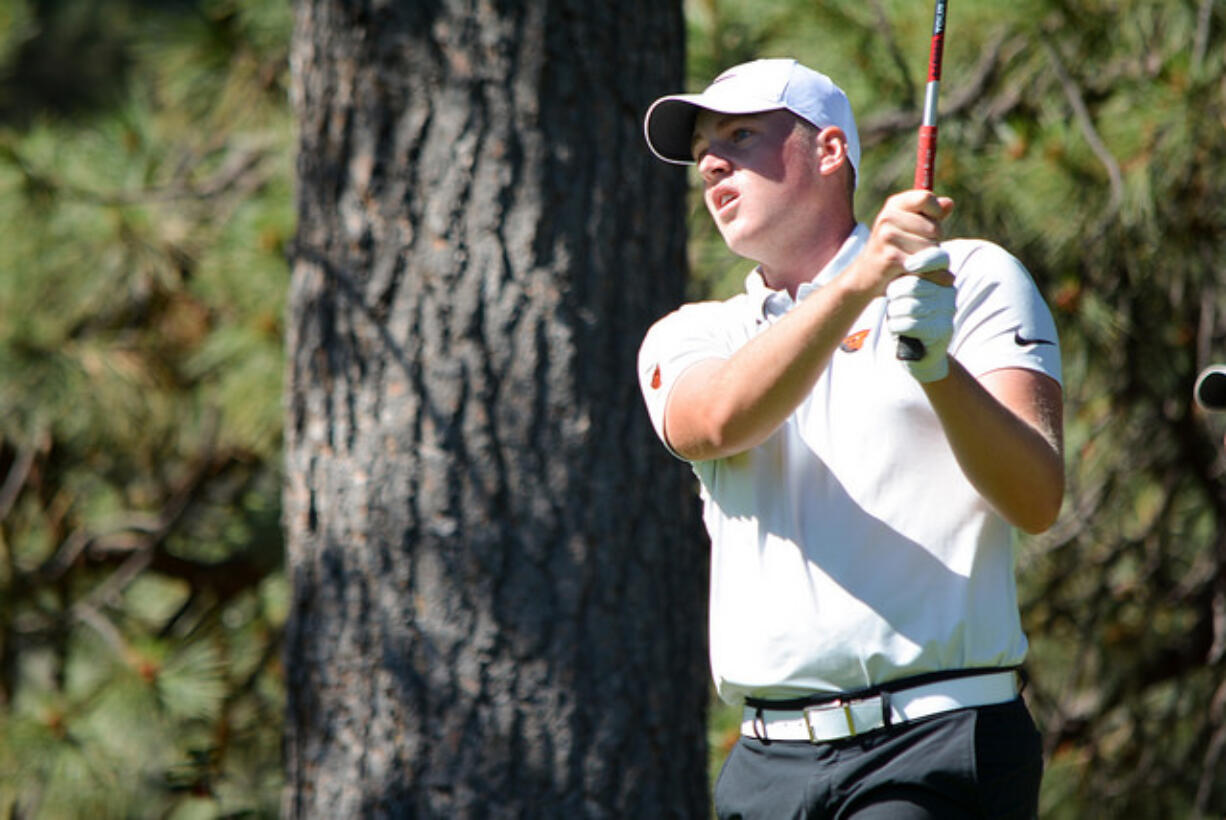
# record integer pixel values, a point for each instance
(854, 342)
(655, 378)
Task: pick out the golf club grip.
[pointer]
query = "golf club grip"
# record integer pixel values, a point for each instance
(926, 157)
(911, 349)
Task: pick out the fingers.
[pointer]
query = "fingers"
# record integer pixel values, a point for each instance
(931, 263)
(919, 212)
(911, 221)
(937, 207)
(932, 258)
(921, 202)
(926, 203)
(939, 277)
(920, 309)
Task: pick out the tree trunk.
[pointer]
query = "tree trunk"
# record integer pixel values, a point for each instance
(498, 577)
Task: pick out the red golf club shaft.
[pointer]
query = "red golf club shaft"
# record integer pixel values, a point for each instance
(909, 348)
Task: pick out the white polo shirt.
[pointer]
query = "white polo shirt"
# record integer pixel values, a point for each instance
(848, 549)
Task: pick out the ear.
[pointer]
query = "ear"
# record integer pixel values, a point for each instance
(831, 145)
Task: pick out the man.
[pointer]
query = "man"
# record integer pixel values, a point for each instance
(863, 604)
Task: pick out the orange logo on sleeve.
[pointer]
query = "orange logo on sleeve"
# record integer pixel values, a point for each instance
(854, 342)
(655, 378)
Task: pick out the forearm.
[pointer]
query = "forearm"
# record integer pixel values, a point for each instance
(724, 407)
(1006, 433)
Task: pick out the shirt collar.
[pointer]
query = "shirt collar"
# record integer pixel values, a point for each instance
(773, 303)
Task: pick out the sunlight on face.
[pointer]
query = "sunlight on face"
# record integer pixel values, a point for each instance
(760, 178)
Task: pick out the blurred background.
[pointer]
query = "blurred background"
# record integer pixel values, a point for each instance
(146, 187)
(145, 182)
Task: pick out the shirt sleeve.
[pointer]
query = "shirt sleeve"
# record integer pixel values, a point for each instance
(1002, 320)
(681, 339)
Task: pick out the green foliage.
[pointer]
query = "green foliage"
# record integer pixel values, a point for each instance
(142, 280)
(1086, 137)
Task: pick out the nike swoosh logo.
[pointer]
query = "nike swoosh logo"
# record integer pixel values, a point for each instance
(1021, 341)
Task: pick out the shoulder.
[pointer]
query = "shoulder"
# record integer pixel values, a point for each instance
(1002, 318)
(703, 319)
(984, 270)
(711, 309)
(982, 257)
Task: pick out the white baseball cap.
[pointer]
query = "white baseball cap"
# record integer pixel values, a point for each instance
(751, 88)
(1210, 391)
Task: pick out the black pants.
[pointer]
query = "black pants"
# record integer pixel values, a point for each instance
(970, 763)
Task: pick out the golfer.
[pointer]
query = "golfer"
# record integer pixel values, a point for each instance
(863, 606)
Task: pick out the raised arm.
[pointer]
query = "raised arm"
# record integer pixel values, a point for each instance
(720, 407)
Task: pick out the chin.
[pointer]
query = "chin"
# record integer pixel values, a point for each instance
(735, 238)
(742, 247)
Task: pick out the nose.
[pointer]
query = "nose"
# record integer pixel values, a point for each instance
(712, 165)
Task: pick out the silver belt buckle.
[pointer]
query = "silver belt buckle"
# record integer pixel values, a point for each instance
(829, 707)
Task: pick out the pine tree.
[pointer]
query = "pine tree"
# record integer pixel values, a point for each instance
(498, 577)
(145, 178)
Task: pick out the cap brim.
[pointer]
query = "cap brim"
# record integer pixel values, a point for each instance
(669, 125)
(1210, 391)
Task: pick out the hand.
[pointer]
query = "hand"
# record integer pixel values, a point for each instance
(924, 310)
(909, 222)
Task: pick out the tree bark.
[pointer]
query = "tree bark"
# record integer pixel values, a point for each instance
(498, 576)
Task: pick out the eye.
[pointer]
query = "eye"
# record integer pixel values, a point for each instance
(740, 134)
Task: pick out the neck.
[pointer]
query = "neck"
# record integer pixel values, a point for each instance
(795, 265)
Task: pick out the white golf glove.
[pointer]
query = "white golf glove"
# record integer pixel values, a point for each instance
(923, 310)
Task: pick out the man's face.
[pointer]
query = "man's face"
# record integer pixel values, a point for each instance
(761, 182)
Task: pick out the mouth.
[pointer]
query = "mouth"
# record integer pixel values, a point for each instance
(722, 199)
